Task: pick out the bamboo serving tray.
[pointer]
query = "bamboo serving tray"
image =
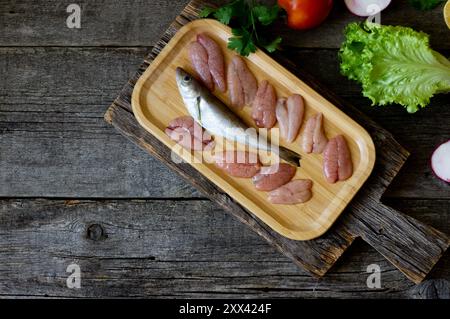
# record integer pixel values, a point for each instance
(411, 246)
(156, 101)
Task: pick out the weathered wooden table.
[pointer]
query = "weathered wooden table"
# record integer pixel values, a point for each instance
(76, 192)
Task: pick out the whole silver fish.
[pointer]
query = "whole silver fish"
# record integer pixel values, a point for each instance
(219, 120)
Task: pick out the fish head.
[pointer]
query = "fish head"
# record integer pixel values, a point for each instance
(187, 84)
(191, 92)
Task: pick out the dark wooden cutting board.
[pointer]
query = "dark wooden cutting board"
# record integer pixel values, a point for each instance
(413, 247)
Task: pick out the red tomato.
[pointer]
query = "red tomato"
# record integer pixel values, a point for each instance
(306, 14)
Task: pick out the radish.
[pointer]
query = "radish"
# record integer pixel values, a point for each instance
(365, 8)
(440, 161)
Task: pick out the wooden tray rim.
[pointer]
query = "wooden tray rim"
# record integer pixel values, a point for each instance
(220, 182)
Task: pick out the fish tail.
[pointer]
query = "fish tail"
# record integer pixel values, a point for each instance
(289, 156)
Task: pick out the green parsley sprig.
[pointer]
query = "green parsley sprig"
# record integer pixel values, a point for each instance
(246, 19)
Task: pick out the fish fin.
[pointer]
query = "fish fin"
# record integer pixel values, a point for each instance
(198, 100)
(289, 156)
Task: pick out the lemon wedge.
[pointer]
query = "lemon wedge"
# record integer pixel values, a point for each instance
(447, 13)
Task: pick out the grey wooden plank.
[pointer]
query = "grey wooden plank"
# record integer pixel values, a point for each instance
(175, 248)
(52, 102)
(54, 141)
(433, 289)
(103, 22)
(139, 23)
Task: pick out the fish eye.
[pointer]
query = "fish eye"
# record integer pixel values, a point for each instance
(186, 78)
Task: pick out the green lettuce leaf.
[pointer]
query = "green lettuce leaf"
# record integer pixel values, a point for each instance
(394, 64)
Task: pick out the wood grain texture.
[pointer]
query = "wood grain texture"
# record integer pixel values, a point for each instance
(37, 115)
(54, 141)
(51, 100)
(149, 249)
(432, 289)
(103, 22)
(426, 244)
(140, 22)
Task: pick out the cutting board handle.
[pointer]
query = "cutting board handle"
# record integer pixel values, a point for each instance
(411, 246)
